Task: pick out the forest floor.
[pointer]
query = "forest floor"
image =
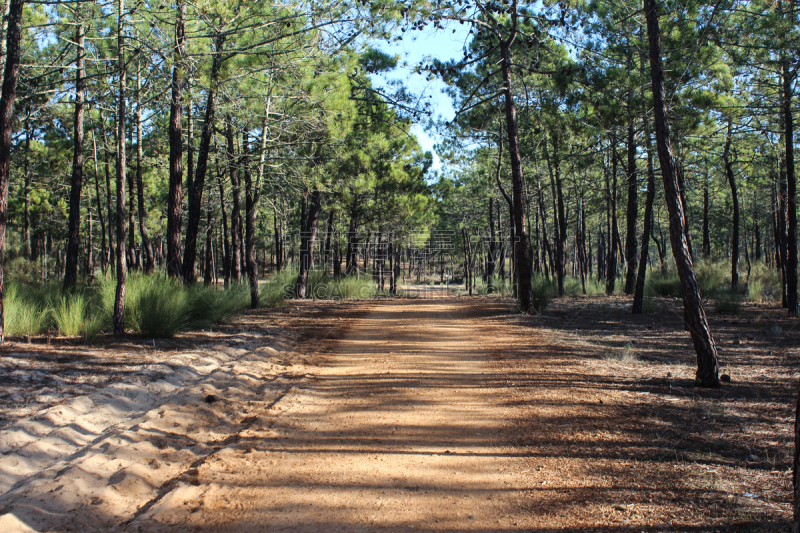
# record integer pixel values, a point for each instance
(429, 414)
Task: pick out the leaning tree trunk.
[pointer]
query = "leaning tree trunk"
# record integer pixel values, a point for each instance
(308, 237)
(74, 224)
(122, 267)
(726, 156)
(174, 213)
(707, 371)
(9, 93)
(196, 197)
(522, 256)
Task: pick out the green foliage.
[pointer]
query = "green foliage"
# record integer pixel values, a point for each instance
(162, 308)
(727, 301)
(23, 316)
(542, 291)
(755, 290)
(74, 315)
(280, 287)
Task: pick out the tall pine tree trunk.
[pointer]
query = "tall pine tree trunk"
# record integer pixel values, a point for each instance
(7, 97)
(726, 156)
(250, 201)
(707, 371)
(631, 213)
(74, 223)
(122, 267)
(522, 256)
(174, 209)
(196, 196)
(638, 296)
(148, 261)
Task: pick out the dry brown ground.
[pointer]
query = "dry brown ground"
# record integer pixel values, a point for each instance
(437, 415)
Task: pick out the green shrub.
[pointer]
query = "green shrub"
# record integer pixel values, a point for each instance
(710, 276)
(207, 304)
(663, 284)
(162, 308)
(755, 289)
(69, 313)
(542, 289)
(74, 315)
(727, 301)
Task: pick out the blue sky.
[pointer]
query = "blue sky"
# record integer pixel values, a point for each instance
(416, 46)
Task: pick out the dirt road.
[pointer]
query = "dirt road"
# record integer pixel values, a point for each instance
(396, 425)
(408, 415)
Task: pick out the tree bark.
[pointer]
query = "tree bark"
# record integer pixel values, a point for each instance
(726, 156)
(236, 217)
(490, 263)
(174, 208)
(631, 213)
(226, 243)
(638, 296)
(792, 302)
(250, 201)
(76, 185)
(522, 256)
(122, 267)
(7, 97)
(706, 228)
(148, 262)
(196, 198)
(707, 371)
(308, 237)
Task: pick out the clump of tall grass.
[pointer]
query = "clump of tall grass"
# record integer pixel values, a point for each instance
(755, 290)
(541, 292)
(500, 286)
(23, 317)
(281, 286)
(727, 301)
(162, 308)
(208, 305)
(74, 315)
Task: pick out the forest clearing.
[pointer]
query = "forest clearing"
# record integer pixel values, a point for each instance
(362, 265)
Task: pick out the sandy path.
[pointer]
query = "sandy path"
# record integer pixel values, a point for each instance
(399, 429)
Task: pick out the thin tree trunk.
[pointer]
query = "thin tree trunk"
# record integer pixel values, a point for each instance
(109, 203)
(233, 175)
(208, 272)
(101, 218)
(147, 247)
(638, 297)
(490, 263)
(726, 156)
(308, 237)
(74, 224)
(707, 371)
(706, 227)
(522, 256)
(226, 243)
(631, 213)
(250, 200)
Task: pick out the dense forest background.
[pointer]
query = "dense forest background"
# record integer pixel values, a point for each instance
(222, 142)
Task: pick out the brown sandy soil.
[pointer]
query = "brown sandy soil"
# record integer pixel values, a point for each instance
(400, 415)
